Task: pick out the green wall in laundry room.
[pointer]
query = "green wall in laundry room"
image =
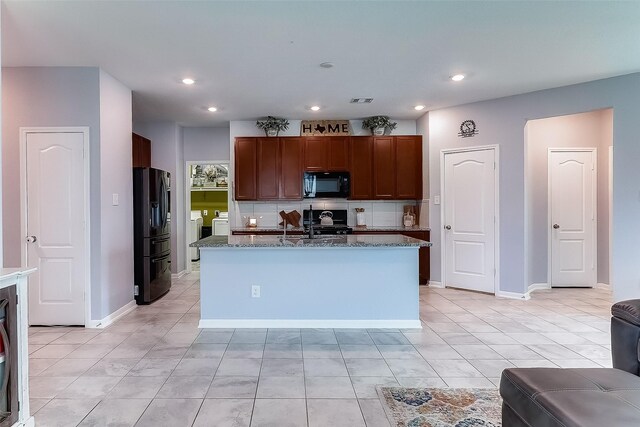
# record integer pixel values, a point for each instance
(209, 200)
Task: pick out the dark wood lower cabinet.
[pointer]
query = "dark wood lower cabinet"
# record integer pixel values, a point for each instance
(424, 267)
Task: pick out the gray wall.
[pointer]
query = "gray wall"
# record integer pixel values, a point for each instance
(38, 97)
(167, 153)
(586, 130)
(116, 222)
(67, 97)
(202, 143)
(502, 122)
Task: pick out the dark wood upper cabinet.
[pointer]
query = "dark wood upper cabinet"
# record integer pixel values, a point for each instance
(291, 150)
(388, 167)
(141, 151)
(245, 168)
(408, 167)
(315, 154)
(384, 168)
(338, 153)
(268, 179)
(268, 168)
(361, 156)
(326, 153)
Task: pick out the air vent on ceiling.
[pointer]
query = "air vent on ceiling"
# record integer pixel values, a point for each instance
(361, 100)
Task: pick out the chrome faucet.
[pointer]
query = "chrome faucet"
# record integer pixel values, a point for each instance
(284, 221)
(311, 221)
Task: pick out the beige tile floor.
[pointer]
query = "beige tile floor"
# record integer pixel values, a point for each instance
(155, 368)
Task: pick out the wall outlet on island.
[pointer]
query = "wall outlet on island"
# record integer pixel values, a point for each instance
(255, 291)
(205, 212)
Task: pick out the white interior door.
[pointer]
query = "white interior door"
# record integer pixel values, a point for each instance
(572, 214)
(55, 203)
(469, 199)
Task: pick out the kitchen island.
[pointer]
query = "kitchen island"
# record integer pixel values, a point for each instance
(353, 281)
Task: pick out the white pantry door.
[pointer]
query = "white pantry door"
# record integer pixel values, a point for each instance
(55, 202)
(469, 199)
(572, 214)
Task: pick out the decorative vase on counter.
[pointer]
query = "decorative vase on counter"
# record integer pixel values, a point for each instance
(379, 131)
(272, 132)
(360, 218)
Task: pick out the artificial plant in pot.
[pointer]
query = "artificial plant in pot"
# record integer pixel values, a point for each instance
(273, 125)
(378, 125)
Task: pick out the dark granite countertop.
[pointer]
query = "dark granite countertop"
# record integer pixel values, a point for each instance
(349, 241)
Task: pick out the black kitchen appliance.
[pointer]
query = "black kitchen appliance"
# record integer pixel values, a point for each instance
(339, 226)
(326, 184)
(151, 231)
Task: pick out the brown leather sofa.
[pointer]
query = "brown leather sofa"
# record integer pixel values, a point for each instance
(597, 397)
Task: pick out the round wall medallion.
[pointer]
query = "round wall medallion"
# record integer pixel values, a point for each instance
(467, 129)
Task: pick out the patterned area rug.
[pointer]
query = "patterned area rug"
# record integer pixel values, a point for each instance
(442, 407)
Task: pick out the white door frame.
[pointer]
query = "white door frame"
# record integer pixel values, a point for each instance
(87, 203)
(187, 198)
(496, 152)
(594, 223)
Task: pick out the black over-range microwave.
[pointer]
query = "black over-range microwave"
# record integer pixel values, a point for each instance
(326, 184)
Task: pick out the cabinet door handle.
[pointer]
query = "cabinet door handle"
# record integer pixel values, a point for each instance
(556, 226)
(447, 227)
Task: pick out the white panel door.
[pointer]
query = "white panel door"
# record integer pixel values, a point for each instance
(572, 207)
(469, 214)
(55, 227)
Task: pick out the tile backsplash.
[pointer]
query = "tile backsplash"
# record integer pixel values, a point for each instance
(377, 213)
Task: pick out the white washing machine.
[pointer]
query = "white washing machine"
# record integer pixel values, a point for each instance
(220, 224)
(195, 233)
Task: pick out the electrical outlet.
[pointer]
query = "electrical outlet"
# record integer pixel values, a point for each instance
(255, 291)
(205, 212)
(115, 199)
(436, 200)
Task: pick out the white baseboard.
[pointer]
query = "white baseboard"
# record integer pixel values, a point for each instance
(513, 295)
(435, 284)
(308, 323)
(603, 285)
(537, 286)
(179, 275)
(103, 323)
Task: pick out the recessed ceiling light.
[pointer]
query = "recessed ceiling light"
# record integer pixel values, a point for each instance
(327, 65)
(188, 81)
(315, 108)
(418, 107)
(212, 109)
(457, 77)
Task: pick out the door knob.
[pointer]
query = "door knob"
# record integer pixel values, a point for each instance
(556, 226)
(447, 227)
(31, 239)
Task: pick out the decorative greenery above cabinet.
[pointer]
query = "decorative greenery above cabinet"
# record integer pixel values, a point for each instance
(388, 167)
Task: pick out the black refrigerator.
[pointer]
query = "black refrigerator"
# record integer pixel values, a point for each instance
(152, 235)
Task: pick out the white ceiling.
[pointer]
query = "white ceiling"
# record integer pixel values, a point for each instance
(251, 59)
